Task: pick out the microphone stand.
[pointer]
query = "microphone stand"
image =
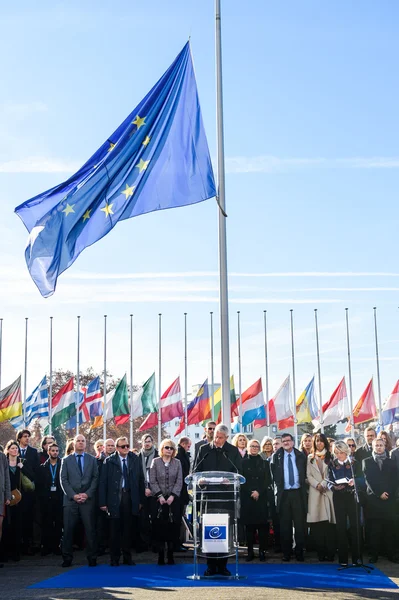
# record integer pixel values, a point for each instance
(359, 564)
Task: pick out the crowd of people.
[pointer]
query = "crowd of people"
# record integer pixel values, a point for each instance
(327, 496)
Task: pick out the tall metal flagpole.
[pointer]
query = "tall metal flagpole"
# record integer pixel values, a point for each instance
(131, 440)
(50, 395)
(239, 372)
(78, 380)
(319, 371)
(221, 198)
(378, 368)
(159, 380)
(185, 374)
(350, 373)
(26, 367)
(266, 375)
(212, 371)
(1, 347)
(105, 381)
(293, 377)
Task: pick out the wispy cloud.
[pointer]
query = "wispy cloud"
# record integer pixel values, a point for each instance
(276, 164)
(36, 164)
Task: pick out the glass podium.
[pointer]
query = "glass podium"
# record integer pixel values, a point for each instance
(216, 509)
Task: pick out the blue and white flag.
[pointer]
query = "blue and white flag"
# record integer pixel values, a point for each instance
(36, 406)
(158, 158)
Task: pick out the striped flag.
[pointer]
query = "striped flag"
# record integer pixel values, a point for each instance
(36, 406)
(10, 401)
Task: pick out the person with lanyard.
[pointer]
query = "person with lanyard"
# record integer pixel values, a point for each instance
(51, 496)
(288, 467)
(342, 484)
(30, 458)
(12, 538)
(166, 481)
(147, 454)
(79, 479)
(121, 494)
(381, 486)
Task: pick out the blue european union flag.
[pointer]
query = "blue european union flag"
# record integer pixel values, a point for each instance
(157, 159)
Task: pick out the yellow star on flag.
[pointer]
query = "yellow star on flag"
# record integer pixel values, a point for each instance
(146, 141)
(68, 209)
(108, 209)
(86, 215)
(111, 147)
(143, 164)
(128, 191)
(139, 122)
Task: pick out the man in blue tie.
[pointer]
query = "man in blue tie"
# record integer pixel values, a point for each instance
(30, 457)
(288, 467)
(79, 477)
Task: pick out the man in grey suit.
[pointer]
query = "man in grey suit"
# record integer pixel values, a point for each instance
(79, 479)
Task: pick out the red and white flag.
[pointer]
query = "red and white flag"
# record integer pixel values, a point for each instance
(337, 408)
(280, 406)
(366, 409)
(171, 407)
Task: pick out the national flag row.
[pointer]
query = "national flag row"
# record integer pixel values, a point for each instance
(199, 410)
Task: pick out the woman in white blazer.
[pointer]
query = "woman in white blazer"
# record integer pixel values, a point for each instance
(321, 516)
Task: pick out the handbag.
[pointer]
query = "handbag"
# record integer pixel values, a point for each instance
(27, 484)
(16, 497)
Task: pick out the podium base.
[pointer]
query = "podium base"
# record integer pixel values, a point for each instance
(216, 577)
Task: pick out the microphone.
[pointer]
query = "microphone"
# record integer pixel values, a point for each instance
(230, 461)
(202, 460)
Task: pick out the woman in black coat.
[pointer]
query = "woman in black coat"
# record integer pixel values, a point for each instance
(254, 495)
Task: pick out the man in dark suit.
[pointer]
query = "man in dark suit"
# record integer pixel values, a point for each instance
(219, 455)
(30, 457)
(183, 454)
(79, 478)
(209, 433)
(366, 450)
(288, 467)
(121, 495)
(51, 498)
(381, 479)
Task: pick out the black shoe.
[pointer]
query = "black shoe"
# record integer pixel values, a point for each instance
(209, 572)
(225, 572)
(286, 558)
(128, 561)
(373, 559)
(66, 564)
(300, 558)
(250, 557)
(262, 555)
(92, 562)
(114, 563)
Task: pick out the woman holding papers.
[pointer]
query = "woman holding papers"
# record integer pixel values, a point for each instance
(342, 484)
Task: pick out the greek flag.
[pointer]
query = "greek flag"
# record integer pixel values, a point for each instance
(36, 406)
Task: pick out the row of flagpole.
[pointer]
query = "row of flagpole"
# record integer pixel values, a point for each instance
(266, 355)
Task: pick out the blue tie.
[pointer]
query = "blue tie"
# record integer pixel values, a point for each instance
(125, 474)
(80, 463)
(291, 478)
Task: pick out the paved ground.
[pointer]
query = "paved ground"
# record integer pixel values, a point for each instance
(16, 577)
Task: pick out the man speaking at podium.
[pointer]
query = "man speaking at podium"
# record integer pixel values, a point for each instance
(219, 455)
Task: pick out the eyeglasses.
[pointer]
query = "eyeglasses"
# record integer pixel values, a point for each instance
(210, 428)
(168, 447)
(124, 446)
(352, 445)
(255, 447)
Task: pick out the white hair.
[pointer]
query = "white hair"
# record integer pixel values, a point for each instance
(223, 429)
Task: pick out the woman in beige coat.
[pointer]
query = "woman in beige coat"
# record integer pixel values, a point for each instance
(321, 516)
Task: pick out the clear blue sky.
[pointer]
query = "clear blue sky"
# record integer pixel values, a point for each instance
(311, 132)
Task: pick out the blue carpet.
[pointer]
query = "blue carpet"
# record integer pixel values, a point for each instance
(274, 575)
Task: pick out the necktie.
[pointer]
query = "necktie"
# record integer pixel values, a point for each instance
(291, 478)
(125, 475)
(23, 453)
(80, 464)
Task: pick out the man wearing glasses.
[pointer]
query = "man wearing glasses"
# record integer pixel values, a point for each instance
(121, 494)
(209, 432)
